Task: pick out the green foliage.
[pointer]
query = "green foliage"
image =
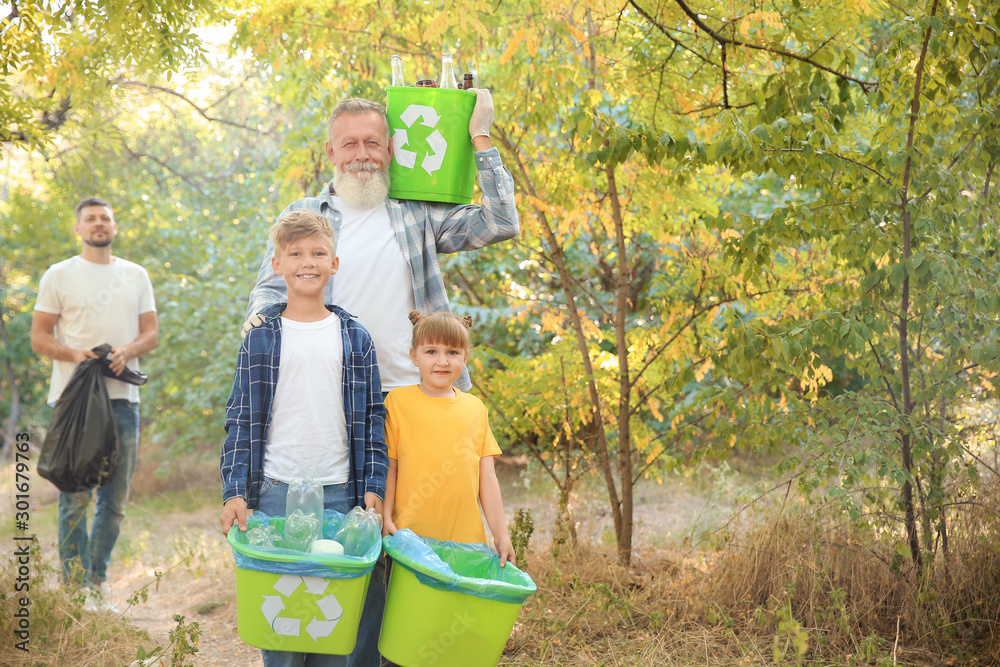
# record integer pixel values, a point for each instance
(521, 530)
(57, 61)
(183, 643)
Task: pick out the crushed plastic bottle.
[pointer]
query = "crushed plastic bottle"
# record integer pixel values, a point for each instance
(263, 536)
(304, 514)
(300, 531)
(359, 531)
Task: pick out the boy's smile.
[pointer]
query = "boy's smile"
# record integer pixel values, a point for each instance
(440, 366)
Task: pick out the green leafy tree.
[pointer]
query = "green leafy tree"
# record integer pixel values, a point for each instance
(59, 60)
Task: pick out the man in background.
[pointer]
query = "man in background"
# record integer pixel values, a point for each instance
(84, 301)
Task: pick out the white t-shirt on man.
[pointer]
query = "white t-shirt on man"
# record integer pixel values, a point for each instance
(96, 303)
(374, 283)
(308, 432)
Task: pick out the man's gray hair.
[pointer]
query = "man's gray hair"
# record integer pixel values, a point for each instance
(354, 106)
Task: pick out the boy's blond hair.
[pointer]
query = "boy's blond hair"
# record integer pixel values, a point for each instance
(298, 225)
(441, 328)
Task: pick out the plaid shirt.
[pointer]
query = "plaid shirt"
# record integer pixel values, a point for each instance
(248, 411)
(423, 229)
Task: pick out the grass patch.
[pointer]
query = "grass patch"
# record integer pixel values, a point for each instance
(60, 633)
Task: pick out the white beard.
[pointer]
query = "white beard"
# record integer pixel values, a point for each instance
(362, 191)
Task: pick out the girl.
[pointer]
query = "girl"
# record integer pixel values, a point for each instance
(441, 448)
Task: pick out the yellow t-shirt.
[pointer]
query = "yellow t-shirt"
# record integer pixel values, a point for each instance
(437, 444)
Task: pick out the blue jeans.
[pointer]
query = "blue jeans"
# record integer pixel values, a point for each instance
(365, 654)
(90, 556)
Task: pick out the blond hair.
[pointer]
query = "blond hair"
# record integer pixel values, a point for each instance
(298, 225)
(442, 328)
(355, 106)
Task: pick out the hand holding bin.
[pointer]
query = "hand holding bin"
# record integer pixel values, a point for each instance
(288, 600)
(448, 603)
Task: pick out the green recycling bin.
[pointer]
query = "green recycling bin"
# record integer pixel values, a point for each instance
(433, 158)
(448, 603)
(302, 602)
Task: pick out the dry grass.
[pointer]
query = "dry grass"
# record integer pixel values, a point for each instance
(843, 586)
(60, 633)
(792, 588)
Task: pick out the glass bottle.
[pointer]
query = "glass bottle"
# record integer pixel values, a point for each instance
(397, 70)
(447, 72)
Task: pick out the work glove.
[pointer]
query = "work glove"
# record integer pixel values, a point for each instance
(254, 321)
(482, 115)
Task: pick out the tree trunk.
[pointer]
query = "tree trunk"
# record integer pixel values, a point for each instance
(622, 310)
(906, 438)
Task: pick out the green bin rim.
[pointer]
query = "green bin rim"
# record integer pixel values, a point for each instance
(342, 562)
(524, 588)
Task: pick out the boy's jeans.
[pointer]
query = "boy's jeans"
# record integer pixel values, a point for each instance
(272, 503)
(93, 554)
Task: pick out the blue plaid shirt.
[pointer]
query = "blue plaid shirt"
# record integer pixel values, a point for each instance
(248, 411)
(423, 229)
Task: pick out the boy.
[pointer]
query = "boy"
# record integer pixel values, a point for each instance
(306, 402)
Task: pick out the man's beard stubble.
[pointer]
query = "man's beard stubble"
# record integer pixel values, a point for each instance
(362, 193)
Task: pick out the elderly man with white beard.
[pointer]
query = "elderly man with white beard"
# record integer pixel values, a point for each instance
(388, 247)
(388, 254)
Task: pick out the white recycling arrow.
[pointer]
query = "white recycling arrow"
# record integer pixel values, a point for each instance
(272, 607)
(415, 111)
(433, 161)
(316, 585)
(287, 583)
(330, 608)
(288, 627)
(318, 628)
(404, 158)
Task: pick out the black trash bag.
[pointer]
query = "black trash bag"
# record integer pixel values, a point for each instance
(127, 375)
(82, 447)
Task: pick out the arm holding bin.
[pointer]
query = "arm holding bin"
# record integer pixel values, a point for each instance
(236, 459)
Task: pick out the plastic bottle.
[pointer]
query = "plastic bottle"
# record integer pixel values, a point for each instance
(447, 72)
(303, 514)
(397, 70)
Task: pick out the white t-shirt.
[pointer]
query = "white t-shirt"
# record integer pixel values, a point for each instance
(96, 303)
(374, 283)
(308, 432)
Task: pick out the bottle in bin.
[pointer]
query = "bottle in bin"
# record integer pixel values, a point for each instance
(397, 70)
(447, 72)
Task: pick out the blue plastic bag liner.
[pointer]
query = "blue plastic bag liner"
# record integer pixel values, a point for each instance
(356, 563)
(472, 569)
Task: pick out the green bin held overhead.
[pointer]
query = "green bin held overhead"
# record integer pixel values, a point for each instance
(433, 157)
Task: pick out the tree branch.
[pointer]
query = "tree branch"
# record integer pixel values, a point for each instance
(202, 112)
(866, 86)
(836, 155)
(667, 34)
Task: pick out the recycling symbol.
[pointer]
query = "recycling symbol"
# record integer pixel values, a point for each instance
(292, 627)
(435, 141)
